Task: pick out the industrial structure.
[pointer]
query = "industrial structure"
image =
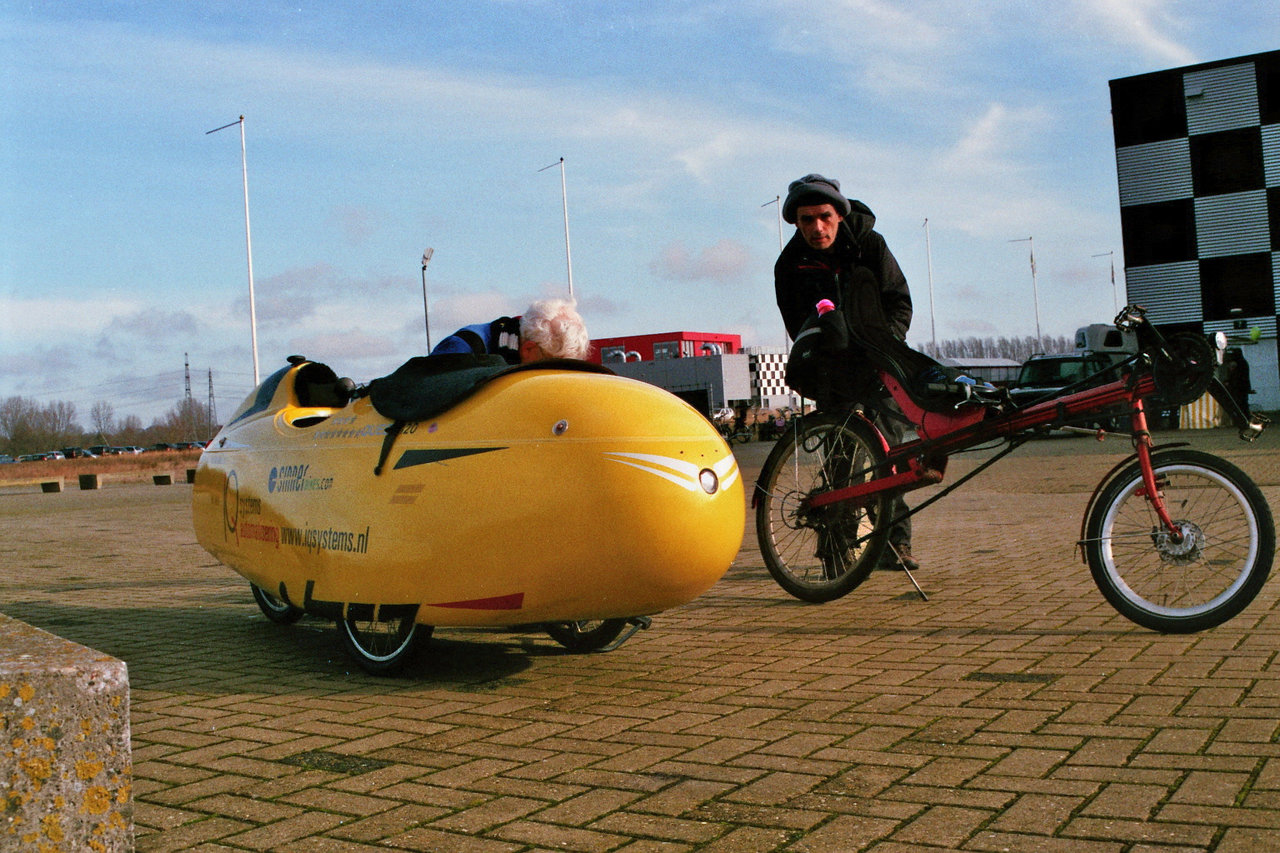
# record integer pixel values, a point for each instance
(708, 370)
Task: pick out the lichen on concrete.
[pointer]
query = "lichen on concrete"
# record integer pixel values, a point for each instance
(65, 762)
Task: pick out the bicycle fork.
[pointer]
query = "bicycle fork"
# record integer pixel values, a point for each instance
(1150, 486)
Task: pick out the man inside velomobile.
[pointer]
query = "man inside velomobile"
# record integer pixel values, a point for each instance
(550, 328)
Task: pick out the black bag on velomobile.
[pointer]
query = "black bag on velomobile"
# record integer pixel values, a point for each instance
(425, 386)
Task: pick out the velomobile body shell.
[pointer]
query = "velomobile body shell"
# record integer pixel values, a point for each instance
(545, 495)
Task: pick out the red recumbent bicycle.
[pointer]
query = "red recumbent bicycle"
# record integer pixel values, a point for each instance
(1177, 540)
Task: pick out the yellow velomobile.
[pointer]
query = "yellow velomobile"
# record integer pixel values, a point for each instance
(459, 491)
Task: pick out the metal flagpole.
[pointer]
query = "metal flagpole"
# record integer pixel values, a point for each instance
(1115, 296)
(426, 319)
(564, 201)
(248, 244)
(1035, 291)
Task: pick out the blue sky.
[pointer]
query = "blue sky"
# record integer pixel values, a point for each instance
(376, 130)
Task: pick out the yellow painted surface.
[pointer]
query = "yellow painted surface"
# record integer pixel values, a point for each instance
(548, 495)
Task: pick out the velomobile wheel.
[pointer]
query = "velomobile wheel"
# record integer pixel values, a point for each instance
(280, 612)
(585, 636)
(383, 646)
(1210, 572)
(821, 554)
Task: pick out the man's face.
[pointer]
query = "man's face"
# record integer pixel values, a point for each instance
(818, 224)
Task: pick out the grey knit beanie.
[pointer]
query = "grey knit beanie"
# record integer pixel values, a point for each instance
(814, 189)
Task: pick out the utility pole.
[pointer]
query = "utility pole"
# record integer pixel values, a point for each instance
(213, 412)
(187, 403)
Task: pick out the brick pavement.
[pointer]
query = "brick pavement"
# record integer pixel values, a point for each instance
(1015, 710)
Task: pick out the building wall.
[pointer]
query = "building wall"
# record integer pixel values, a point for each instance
(1198, 163)
(719, 380)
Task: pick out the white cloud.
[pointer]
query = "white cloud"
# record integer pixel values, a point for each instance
(1149, 26)
(723, 261)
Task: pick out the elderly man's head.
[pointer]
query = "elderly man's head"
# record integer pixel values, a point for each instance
(552, 328)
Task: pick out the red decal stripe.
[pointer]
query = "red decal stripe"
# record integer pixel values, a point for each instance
(501, 602)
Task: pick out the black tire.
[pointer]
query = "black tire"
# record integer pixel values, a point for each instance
(383, 646)
(1207, 577)
(280, 612)
(819, 555)
(587, 635)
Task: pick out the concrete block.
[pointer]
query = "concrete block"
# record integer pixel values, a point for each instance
(162, 479)
(50, 486)
(65, 763)
(88, 482)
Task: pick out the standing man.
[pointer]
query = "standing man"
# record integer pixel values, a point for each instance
(836, 255)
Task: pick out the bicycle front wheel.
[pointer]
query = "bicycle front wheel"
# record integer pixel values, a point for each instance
(819, 554)
(1203, 575)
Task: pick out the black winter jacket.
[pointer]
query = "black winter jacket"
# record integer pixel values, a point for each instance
(860, 275)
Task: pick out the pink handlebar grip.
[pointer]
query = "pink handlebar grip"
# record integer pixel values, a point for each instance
(824, 306)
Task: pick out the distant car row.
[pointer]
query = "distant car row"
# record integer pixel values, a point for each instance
(99, 450)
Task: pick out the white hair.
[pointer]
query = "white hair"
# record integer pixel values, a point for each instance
(556, 327)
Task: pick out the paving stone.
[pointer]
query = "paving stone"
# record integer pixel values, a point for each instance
(1014, 710)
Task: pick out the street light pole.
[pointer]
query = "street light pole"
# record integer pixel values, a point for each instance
(777, 199)
(933, 320)
(248, 244)
(1035, 291)
(564, 202)
(426, 317)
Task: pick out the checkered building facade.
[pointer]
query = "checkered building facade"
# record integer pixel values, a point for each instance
(1198, 163)
(768, 377)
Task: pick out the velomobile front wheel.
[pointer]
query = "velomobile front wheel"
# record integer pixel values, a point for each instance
(819, 554)
(1205, 573)
(383, 646)
(585, 636)
(280, 612)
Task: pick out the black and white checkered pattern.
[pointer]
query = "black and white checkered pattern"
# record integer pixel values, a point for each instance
(1198, 162)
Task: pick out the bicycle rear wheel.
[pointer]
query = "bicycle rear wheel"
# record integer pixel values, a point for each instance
(1210, 572)
(820, 554)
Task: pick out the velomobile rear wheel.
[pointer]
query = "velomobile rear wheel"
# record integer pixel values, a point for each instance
(587, 635)
(383, 646)
(280, 612)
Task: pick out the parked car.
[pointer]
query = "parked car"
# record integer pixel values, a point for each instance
(1043, 376)
(79, 453)
(55, 454)
(6, 459)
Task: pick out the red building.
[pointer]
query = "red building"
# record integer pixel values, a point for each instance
(663, 346)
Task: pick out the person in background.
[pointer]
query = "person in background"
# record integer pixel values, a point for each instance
(550, 328)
